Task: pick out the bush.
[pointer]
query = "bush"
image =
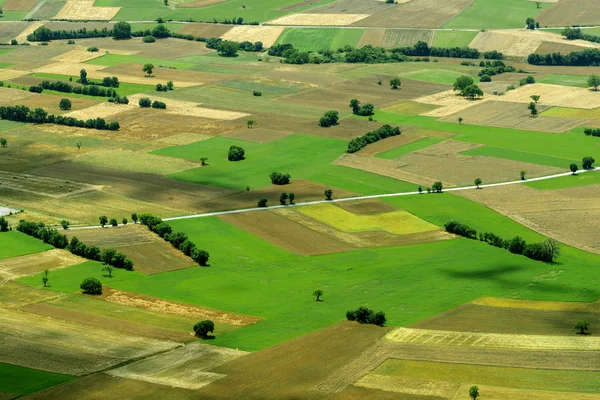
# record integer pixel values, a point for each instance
(485, 78)
(91, 286)
(65, 104)
(149, 39)
(93, 49)
(36, 89)
(457, 228)
(203, 328)
(256, 93)
(592, 131)
(364, 315)
(236, 153)
(329, 119)
(262, 202)
(158, 104)
(278, 178)
(145, 102)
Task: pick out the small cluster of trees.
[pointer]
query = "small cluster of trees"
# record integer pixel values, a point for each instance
(547, 251)
(179, 240)
(118, 99)
(166, 87)
(575, 33)
(330, 118)
(592, 131)
(279, 178)
(203, 328)
(531, 23)
(364, 315)
(363, 110)
(284, 197)
(40, 116)
(4, 227)
(467, 88)
(587, 57)
(493, 68)
(63, 87)
(147, 103)
(236, 153)
(382, 133)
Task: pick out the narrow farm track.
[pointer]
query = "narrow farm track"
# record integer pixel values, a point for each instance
(374, 196)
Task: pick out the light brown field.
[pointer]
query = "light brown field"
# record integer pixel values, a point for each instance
(40, 185)
(411, 107)
(205, 30)
(259, 135)
(388, 144)
(318, 19)
(414, 386)
(538, 305)
(8, 95)
(450, 101)
(16, 295)
(503, 393)
(190, 109)
(448, 148)
(100, 110)
(268, 35)
(554, 95)
(187, 367)
(175, 308)
(371, 36)
(181, 139)
(22, 37)
(12, 30)
(571, 12)
(351, 7)
(72, 69)
(52, 345)
(85, 10)
(552, 47)
(18, 5)
(416, 14)
(167, 48)
(406, 37)
(50, 103)
(13, 268)
(571, 216)
(77, 56)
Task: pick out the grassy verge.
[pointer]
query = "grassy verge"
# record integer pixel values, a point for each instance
(565, 182)
(20, 381)
(16, 244)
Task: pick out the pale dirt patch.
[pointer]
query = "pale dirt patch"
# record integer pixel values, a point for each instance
(71, 69)
(504, 393)
(493, 340)
(413, 386)
(450, 101)
(175, 308)
(7, 95)
(13, 268)
(100, 110)
(191, 109)
(538, 305)
(85, 10)
(22, 37)
(388, 144)
(8, 74)
(318, 19)
(41, 185)
(77, 56)
(182, 139)
(186, 367)
(449, 149)
(554, 95)
(268, 35)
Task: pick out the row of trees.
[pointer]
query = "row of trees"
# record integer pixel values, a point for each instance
(364, 315)
(592, 131)
(64, 87)
(546, 251)
(575, 33)
(587, 57)
(40, 116)
(381, 133)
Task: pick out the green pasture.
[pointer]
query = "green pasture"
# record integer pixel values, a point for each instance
(410, 283)
(307, 39)
(5, 65)
(358, 181)
(4, 51)
(496, 14)
(522, 156)
(565, 112)
(20, 381)
(13, 15)
(453, 38)
(434, 75)
(565, 80)
(565, 182)
(361, 70)
(113, 60)
(16, 244)
(409, 148)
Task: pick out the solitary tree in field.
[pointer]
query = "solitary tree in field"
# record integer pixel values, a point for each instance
(460, 120)
(166, 2)
(328, 194)
(292, 196)
(103, 220)
(203, 160)
(478, 182)
(251, 123)
(594, 81)
(588, 162)
(203, 328)
(83, 77)
(65, 104)
(462, 82)
(474, 392)
(45, 278)
(574, 168)
(79, 144)
(91, 286)
(538, 4)
(134, 218)
(65, 224)
(0, 11)
(3, 142)
(532, 109)
(582, 327)
(108, 269)
(283, 198)
(148, 68)
(318, 293)
(523, 175)
(395, 83)
(535, 98)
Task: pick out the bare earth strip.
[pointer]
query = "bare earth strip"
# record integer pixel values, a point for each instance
(191, 109)
(318, 19)
(31, 264)
(538, 305)
(84, 10)
(414, 386)
(494, 340)
(268, 35)
(186, 367)
(30, 29)
(503, 393)
(450, 101)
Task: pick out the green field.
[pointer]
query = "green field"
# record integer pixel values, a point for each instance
(572, 113)
(565, 182)
(409, 148)
(496, 14)
(124, 89)
(112, 60)
(306, 39)
(20, 381)
(16, 244)
(565, 80)
(453, 38)
(434, 75)
(522, 156)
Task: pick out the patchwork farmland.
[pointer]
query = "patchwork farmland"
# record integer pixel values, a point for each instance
(275, 200)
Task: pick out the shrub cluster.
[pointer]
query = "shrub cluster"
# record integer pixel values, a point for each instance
(493, 55)
(587, 57)
(495, 68)
(278, 178)
(575, 33)
(592, 131)
(118, 99)
(546, 251)
(384, 132)
(179, 240)
(164, 88)
(329, 119)
(40, 116)
(363, 110)
(159, 105)
(422, 49)
(527, 81)
(364, 315)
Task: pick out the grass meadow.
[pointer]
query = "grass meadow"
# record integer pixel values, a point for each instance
(565, 80)
(16, 244)
(434, 75)
(20, 381)
(453, 38)
(566, 182)
(496, 14)
(124, 89)
(305, 39)
(112, 60)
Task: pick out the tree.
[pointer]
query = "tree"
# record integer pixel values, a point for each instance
(45, 278)
(587, 162)
(460, 120)
(478, 182)
(250, 123)
(437, 187)
(3, 142)
(65, 224)
(462, 82)
(145, 102)
(574, 168)
(283, 198)
(262, 202)
(523, 175)
(228, 49)
(532, 109)
(538, 4)
(329, 119)
(203, 161)
(236, 153)
(354, 105)
(170, 85)
(420, 189)
(148, 69)
(582, 327)
(113, 222)
(103, 220)
(65, 104)
(279, 178)
(395, 83)
(472, 91)
(124, 221)
(474, 392)
(91, 286)
(328, 194)
(121, 30)
(203, 328)
(79, 144)
(517, 245)
(292, 196)
(201, 257)
(0, 11)
(594, 81)
(108, 269)
(3, 225)
(134, 218)
(83, 77)
(166, 2)
(318, 293)
(535, 98)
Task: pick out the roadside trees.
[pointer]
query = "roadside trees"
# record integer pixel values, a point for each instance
(437, 187)
(203, 328)
(588, 162)
(478, 182)
(292, 196)
(582, 327)
(523, 175)
(395, 83)
(318, 293)
(103, 220)
(262, 202)
(91, 286)
(283, 198)
(328, 194)
(594, 81)
(574, 168)
(134, 218)
(124, 221)
(113, 222)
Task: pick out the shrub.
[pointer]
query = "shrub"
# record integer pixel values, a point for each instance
(278, 178)
(65, 104)
(203, 328)
(236, 153)
(91, 286)
(36, 89)
(93, 49)
(262, 202)
(145, 102)
(149, 39)
(457, 228)
(329, 119)
(485, 78)
(256, 93)
(364, 315)
(159, 104)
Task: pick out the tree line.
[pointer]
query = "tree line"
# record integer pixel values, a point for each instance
(592, 131)
(574, 33)
(41, 116)
(546, 251)
(383, 132)
(587, 57)
(63, 87)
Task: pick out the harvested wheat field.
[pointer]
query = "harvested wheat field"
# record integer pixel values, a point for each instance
(448, 149)
(318, 19)
(7, 95)
(187, 367)
(268, 35)
(259, 135)
(538, 305)
(41, 185)
(171, 307)
(388, 144)
(22, 37)
(409, 386)
(554, 95)
(205, 30)
(571, 216)
(450, 101)
(18, 5)
(571, 12)
(73, 69)
(100, 110)
(417, 14)
(84, 10)
(77, 56)
(190, 109)
(13, 268)
(182, 139)
(52, 345)
(371, 36)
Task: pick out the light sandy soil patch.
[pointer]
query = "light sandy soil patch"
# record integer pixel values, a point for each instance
(56, 346)
(191, 109)
(10, 74)
(84, 10)
(128, 160)
(554, 95)
(388, 144)
(504, 393)
(22, 37)
(259, 135)
(571, 216)
(100, 110)
(71, 69)
(268, 35)
(318, 19)
(538, 305)
(182, 139)
(448, 148)
(31, 264)
(18, 5)
(414, 386)
(450, 101)
(175, 308)
(186, 367)
(7, 95)
(77, 56)
(494, 340)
